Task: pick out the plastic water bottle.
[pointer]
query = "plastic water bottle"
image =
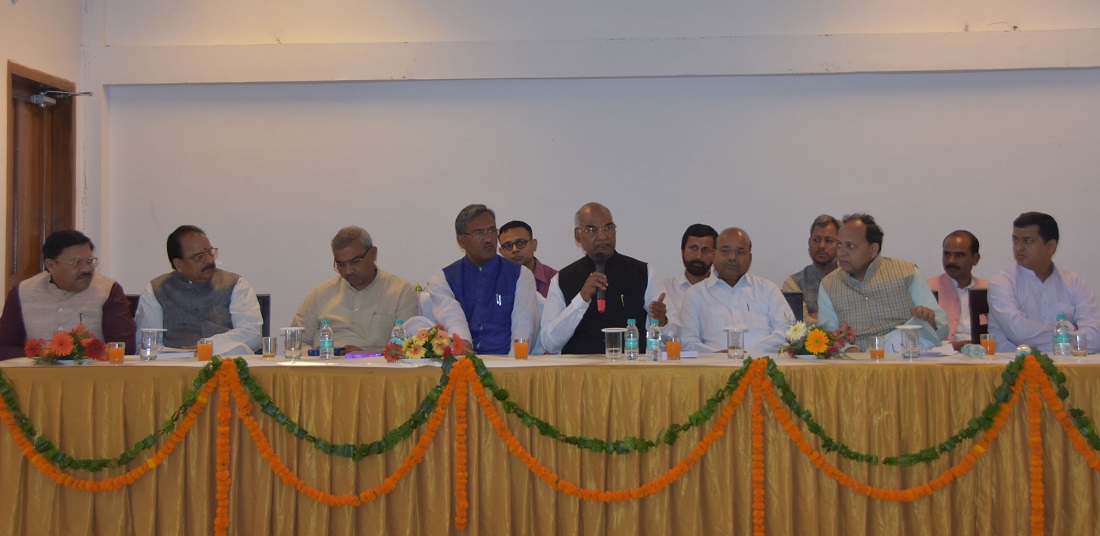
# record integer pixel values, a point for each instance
(630, 342)
(1062, 330)
(397, 336)
(325, 338)
(653, 341)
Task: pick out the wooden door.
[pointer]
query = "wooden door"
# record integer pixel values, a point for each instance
(41, 183)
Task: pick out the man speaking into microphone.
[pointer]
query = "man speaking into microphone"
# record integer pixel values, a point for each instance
(572, 320)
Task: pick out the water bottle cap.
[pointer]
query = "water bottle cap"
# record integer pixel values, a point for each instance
(399, 322)
(324, 322)
(630, 321)
(1061, 316)
(654, 321)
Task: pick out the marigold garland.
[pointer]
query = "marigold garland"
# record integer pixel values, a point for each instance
(1040, 378)
(111, 484)
(244, 412)
(649, 488)
(1035, 450)
(466, 376)
(904, 495)
(221, 464)
(757, 418)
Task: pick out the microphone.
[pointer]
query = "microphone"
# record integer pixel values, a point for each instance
(601, 303)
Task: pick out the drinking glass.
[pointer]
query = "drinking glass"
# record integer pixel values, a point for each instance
(1079, 344)
(520, 347)
(204, 350)
(116, 352)
(152, 340)
(910, 341)
(292, 343)
(613, 343)
(878, 347)
(268, 346)
(735, 343)
(672, 347)
(989, 343)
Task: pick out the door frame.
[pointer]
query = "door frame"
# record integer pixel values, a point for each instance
(67, 124)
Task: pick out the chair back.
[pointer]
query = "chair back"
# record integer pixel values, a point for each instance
(979, 313)
(795, 300)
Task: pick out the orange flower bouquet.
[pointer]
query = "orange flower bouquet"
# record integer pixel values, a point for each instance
(77, 346)
(434, 343)
(812, 339)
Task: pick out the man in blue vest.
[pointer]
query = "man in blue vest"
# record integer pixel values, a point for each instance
(483, 297)
(198, 300)
(572, 321)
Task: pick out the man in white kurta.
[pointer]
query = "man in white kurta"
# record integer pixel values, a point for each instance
(735, 299)
(1027, 297)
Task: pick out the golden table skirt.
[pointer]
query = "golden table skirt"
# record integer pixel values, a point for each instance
(885, 409)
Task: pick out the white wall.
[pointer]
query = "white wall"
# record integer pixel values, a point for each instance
(45, 36)
(273, 171)
(232, 115)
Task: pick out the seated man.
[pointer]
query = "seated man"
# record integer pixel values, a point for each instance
(1026, 298)
(872, 293)
(483, 297)
(697, 254)
(960, 255)
(198, 300)
(518, 244)
(362, 303)
(68, 293)
(822, 247)
(572, 321)
(735, 298)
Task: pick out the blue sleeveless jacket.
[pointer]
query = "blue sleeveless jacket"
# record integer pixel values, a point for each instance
(487, 296)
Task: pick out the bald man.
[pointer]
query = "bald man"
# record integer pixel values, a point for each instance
(735, 298)
(571, 321)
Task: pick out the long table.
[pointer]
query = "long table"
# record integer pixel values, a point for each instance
(885, 408)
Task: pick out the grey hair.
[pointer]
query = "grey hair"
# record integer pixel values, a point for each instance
(469, 214)
(823, 221)
(349, 234)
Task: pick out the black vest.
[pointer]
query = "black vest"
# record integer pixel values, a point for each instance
(625, 295)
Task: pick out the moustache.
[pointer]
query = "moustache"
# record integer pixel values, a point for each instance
(209, 267)
(952, 267)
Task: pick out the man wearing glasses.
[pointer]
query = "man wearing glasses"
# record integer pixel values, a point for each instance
(68, 293)
(734, 298)
(875, 294)
(197, 300)
(822, 248)
(362, 303)
(483, 297)
(572, 321)
(517, 243)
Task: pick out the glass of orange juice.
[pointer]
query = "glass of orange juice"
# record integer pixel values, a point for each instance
(204, 350)
(878, 347)
(989, 343)
(116, 352)
(672, 347)
(520, 347)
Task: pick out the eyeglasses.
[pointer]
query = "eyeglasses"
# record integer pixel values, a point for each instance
(739, 252)
(353, 262)
(90, 262)
(592, 230)
(199, 257)
(491, 232)
(518, 243)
